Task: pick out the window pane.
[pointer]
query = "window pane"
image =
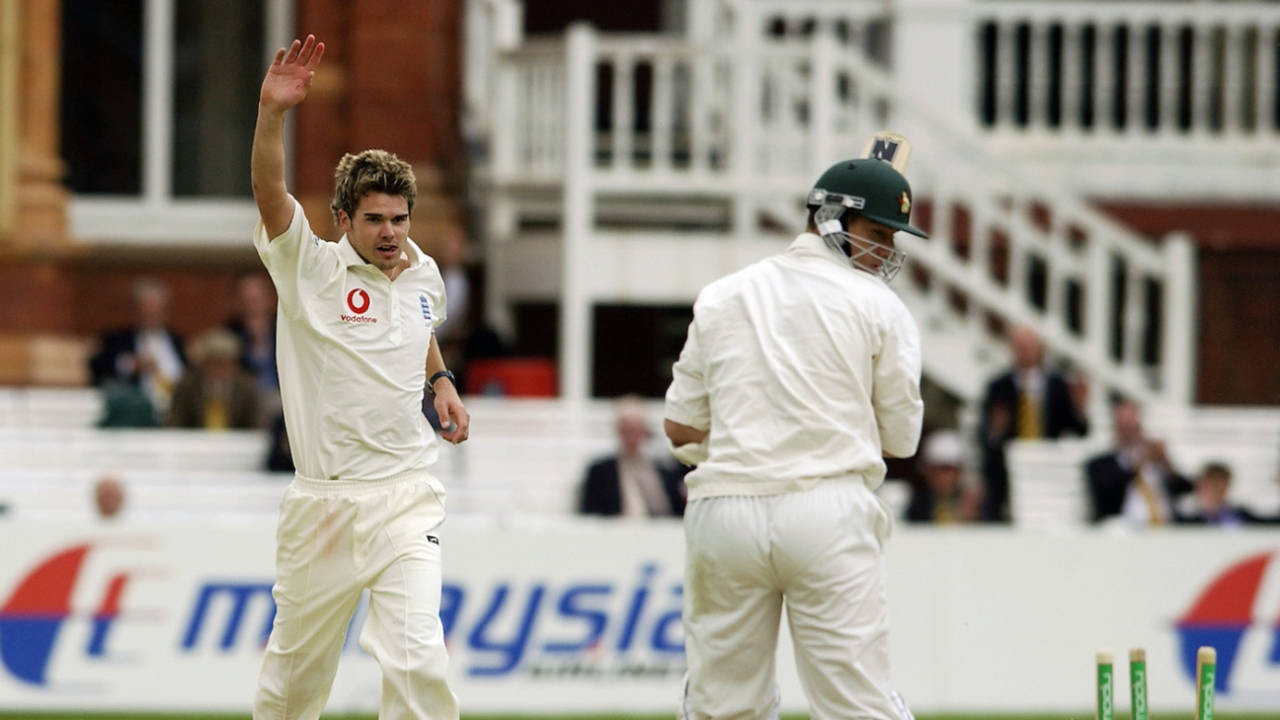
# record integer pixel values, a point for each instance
(218, 66)
(101, 96)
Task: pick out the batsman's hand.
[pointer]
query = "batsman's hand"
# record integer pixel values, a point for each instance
(289, 77)
(455, 421)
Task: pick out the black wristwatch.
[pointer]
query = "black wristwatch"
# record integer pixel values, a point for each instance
(431, 384)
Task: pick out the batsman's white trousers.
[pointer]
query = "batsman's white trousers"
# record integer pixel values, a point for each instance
(818, 549)
(336, 538)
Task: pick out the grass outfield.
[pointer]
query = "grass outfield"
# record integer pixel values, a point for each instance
(949, 716)
(1081, 716)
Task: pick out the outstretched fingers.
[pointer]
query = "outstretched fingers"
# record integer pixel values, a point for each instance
(306, 53)
(315, 57)
(308, 47)
(292, 55)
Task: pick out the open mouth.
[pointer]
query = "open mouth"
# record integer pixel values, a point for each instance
(387, 250)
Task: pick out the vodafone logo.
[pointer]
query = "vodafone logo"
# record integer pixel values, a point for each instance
(358, 301)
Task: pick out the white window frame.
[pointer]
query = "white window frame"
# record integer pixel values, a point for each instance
(156, 216)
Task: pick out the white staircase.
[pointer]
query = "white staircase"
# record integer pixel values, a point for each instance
(638, 168)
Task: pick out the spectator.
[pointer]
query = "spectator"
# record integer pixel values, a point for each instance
(1212, 486)
(1135, 480)
(450, 255)
(254, 324)
(146, 357)
(108, 497)
(944, 497)
(630, 483)
(1028, 402)
(215, 393)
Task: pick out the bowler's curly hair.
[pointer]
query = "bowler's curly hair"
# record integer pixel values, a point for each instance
(370, 171)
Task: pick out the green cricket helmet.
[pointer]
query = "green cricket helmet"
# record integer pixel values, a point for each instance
(871, 188)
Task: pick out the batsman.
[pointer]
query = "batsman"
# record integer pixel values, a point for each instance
(799, 375)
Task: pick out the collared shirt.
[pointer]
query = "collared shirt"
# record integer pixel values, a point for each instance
(1145, 506)
(351, 346)
(803, 368)
(641, 488)
(1031, 382)
(167, 370)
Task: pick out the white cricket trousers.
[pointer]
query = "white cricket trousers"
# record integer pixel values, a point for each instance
(336, 538)
(820, 551)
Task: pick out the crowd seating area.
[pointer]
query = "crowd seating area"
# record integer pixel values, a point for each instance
(525, 456)
(1047, 489)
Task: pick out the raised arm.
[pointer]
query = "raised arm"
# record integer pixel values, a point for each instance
(287, 82)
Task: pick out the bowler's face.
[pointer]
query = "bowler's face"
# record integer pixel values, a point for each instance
(379, 229)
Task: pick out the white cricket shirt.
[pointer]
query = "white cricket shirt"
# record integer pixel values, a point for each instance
(804, 369)
(351, 346)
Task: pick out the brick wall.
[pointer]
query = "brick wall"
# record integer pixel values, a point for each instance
(1238, 257)
(390, 79)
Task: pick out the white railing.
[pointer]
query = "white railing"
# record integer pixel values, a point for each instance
(661, 118)
(1146, 99)
(1156, 100)
(530, 149)
(856, 25)
(1131, 69)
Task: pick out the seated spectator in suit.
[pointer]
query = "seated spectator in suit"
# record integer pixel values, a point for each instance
(630, 483)
(1212, 486)
(146, 356)
(1028, 402)
(254, 324)
(215, 393)
(1134, 481)
(944, 497)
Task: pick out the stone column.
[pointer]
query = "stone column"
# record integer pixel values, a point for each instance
(9, 56)
(36, 345)
(41, 211)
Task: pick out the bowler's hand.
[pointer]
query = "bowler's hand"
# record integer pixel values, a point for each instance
(455, 421)
(289, 77)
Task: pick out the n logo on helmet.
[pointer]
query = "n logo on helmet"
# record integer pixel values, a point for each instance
(884, 149)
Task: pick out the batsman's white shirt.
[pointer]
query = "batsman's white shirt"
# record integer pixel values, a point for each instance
(352, 348)
(812, 367)
(803, 368)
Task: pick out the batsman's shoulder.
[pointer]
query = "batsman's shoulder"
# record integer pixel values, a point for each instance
(713, 292)
(727, 285)
(892, 303)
